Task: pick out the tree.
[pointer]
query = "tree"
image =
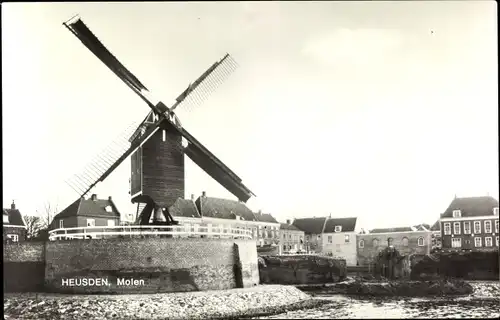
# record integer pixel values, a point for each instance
(33, 226)
(47, 214)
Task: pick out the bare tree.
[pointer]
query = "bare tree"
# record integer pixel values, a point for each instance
(33, 226)
(47, 214)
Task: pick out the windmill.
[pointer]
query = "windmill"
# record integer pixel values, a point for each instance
(156, 149)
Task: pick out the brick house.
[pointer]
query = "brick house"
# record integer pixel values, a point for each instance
(91, 212)
(222, 214)
(407, 240)
(339, 239)
(470, 223)
(313, 230)
(291, 238)
(14, 226)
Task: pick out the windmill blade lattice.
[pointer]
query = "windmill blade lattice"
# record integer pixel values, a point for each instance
(83, 182)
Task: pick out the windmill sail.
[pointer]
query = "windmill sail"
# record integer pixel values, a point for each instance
(108, 160)
(194, 94)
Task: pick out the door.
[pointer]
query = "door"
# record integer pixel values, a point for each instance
(136, 172)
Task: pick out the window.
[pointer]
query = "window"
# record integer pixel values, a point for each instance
(487, 226)
(456, 242)
(447, 229)
(488, 242)
(405, 242)
(61, 224)
(477, 226)
(375, 242)
(456, 227)
(420, 241)
(5, 218)
(319, 237)
(496, 240)
(13, 237)
(164, 135)
(467, 227)
(108, 209)
(284, 247)
(330, 239)
(290, 236)
(496, 226)
(457, 214)
(338, 228)
(477, 242)
(495, 211)
(90, 223)
(362, 243)
(111, 223)
(307, 238)
(346, 238)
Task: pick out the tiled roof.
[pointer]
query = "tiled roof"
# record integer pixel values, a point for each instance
(15, 217)
(265, 217)
(436, 226)
(348, 224)
(89, 207)
(224, 208)
(387, 230)
(286, 226)
(184, 208)
(310, 225)
(471, 206)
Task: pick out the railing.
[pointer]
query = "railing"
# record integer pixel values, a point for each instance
(147, 231)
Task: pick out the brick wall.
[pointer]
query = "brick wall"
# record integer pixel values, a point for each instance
(164, 264)
(367, 254)
(24, 266)
(301, 269)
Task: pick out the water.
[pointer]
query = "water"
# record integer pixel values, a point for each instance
(484, 303)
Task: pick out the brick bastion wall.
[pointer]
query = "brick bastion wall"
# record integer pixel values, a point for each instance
(148, 265)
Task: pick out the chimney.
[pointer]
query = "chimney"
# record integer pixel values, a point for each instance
(260, 212)
(192, 197)
(94, 197)
(13, 205)
(203, 194)
(109, 198)
(287, 221)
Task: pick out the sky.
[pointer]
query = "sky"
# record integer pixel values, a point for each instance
(380, 110)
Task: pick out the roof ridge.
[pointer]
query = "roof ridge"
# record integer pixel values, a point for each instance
(79, 204)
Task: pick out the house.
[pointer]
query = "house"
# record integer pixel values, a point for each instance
(339, 239)
(91, 212)
(291, 238)
(415, 240)
(313, 230)
(219, 215)
(436, 235)
(14, 226)
(470, 223)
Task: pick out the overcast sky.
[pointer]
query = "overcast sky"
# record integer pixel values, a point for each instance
(380, 110)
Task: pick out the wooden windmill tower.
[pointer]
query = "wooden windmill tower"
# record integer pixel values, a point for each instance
(157, 162)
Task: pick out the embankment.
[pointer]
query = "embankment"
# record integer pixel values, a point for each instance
(223, 304)
(394, 288)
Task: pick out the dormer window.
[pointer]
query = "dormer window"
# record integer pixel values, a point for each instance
(457, 214)
(495, 211)
(5, 218)
(338, 228)
(108, 208)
